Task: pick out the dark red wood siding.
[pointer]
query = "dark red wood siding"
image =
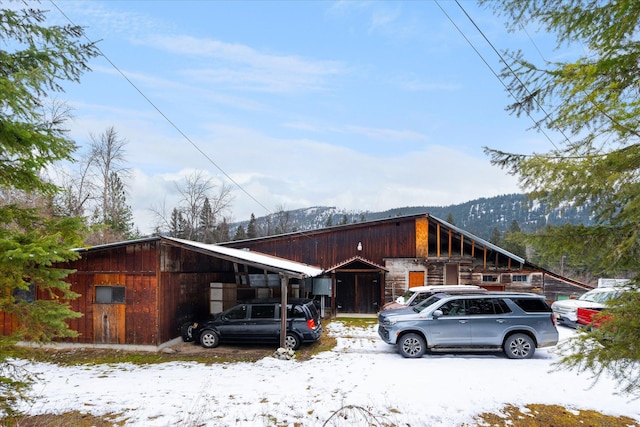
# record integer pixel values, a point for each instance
(328, 247)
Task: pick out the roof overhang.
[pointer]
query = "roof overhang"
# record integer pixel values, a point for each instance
(252, 258)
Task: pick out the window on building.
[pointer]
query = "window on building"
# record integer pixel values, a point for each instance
(490, 278)
(520, 278)
(26, 295)
(110, 294)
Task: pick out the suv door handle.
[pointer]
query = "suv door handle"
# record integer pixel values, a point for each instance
(462, 321)
(500, 320)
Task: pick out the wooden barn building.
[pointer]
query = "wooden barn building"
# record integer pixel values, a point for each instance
(373, 262)
(139, 292)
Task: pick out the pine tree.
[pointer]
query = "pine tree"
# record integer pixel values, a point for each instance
(118, 216)
(206, 224)
(513, 240)
(252, 231)
(223, 231)
(177, 225)
(592, 102)
(240, 233)
(34, 62)
(450, 219)
(329, 221)
(496, 237)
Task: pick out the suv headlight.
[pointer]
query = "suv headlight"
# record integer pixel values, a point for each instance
(389, 322)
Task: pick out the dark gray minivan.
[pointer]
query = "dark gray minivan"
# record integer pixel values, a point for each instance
(257, 321)
(515, 323)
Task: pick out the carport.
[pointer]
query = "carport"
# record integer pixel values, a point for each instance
(285, 269)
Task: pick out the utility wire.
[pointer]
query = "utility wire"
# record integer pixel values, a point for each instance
(511, 70)
(497, 76)
(205, 155)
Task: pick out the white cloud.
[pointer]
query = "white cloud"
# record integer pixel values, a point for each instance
(388, 134)
(243, 67)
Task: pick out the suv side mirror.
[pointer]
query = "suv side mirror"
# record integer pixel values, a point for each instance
(437, 314)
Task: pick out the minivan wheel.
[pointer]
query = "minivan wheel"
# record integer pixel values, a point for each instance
(519, 346)
(187, 332)
(209, 339)
(292, 341)
(412, 346)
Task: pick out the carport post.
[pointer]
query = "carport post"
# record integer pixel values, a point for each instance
(284, 280)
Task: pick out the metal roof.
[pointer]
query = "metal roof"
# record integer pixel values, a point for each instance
(253, 258)
(241, 256)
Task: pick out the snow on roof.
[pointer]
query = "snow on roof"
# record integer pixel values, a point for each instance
(259, 259)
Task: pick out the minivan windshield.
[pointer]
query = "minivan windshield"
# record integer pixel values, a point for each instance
(426, 303)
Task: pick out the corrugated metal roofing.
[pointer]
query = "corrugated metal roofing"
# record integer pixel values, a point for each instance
(257, 259)
(242, 256)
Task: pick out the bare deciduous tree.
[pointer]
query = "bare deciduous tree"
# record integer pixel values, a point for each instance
(200, 210)
(108, 157)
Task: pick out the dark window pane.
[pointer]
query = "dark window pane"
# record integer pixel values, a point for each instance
(501, 307)
(533, 305)
(480, 306)
(117, 294)
(263, 311)
(110, 294)
(237, 313)
(103, 294)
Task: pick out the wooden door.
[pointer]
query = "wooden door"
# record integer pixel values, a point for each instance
(416, 278)
(451, 274)
(346, 293)
(109, 308)
(367, 292)
(108, 323)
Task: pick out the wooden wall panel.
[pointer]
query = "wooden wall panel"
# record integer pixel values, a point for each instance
(422, 237)
(326, 248)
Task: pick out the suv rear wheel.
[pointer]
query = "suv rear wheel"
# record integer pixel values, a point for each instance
(519, 346)
(412, 346)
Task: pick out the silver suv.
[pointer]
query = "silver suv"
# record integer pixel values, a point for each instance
(515, 323)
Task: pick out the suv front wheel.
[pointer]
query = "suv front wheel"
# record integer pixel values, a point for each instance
(412, 346)
(519, 346)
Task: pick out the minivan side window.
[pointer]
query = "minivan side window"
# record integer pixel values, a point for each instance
(266, 311)
(237, 313)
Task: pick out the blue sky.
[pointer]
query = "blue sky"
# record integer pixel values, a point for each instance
(362, 105)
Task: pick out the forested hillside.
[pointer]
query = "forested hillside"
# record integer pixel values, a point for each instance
(479, 216)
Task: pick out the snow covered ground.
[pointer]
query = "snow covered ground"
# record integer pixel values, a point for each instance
(362, 373)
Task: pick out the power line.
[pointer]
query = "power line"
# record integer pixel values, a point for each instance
(497, 76)
(164, 116)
